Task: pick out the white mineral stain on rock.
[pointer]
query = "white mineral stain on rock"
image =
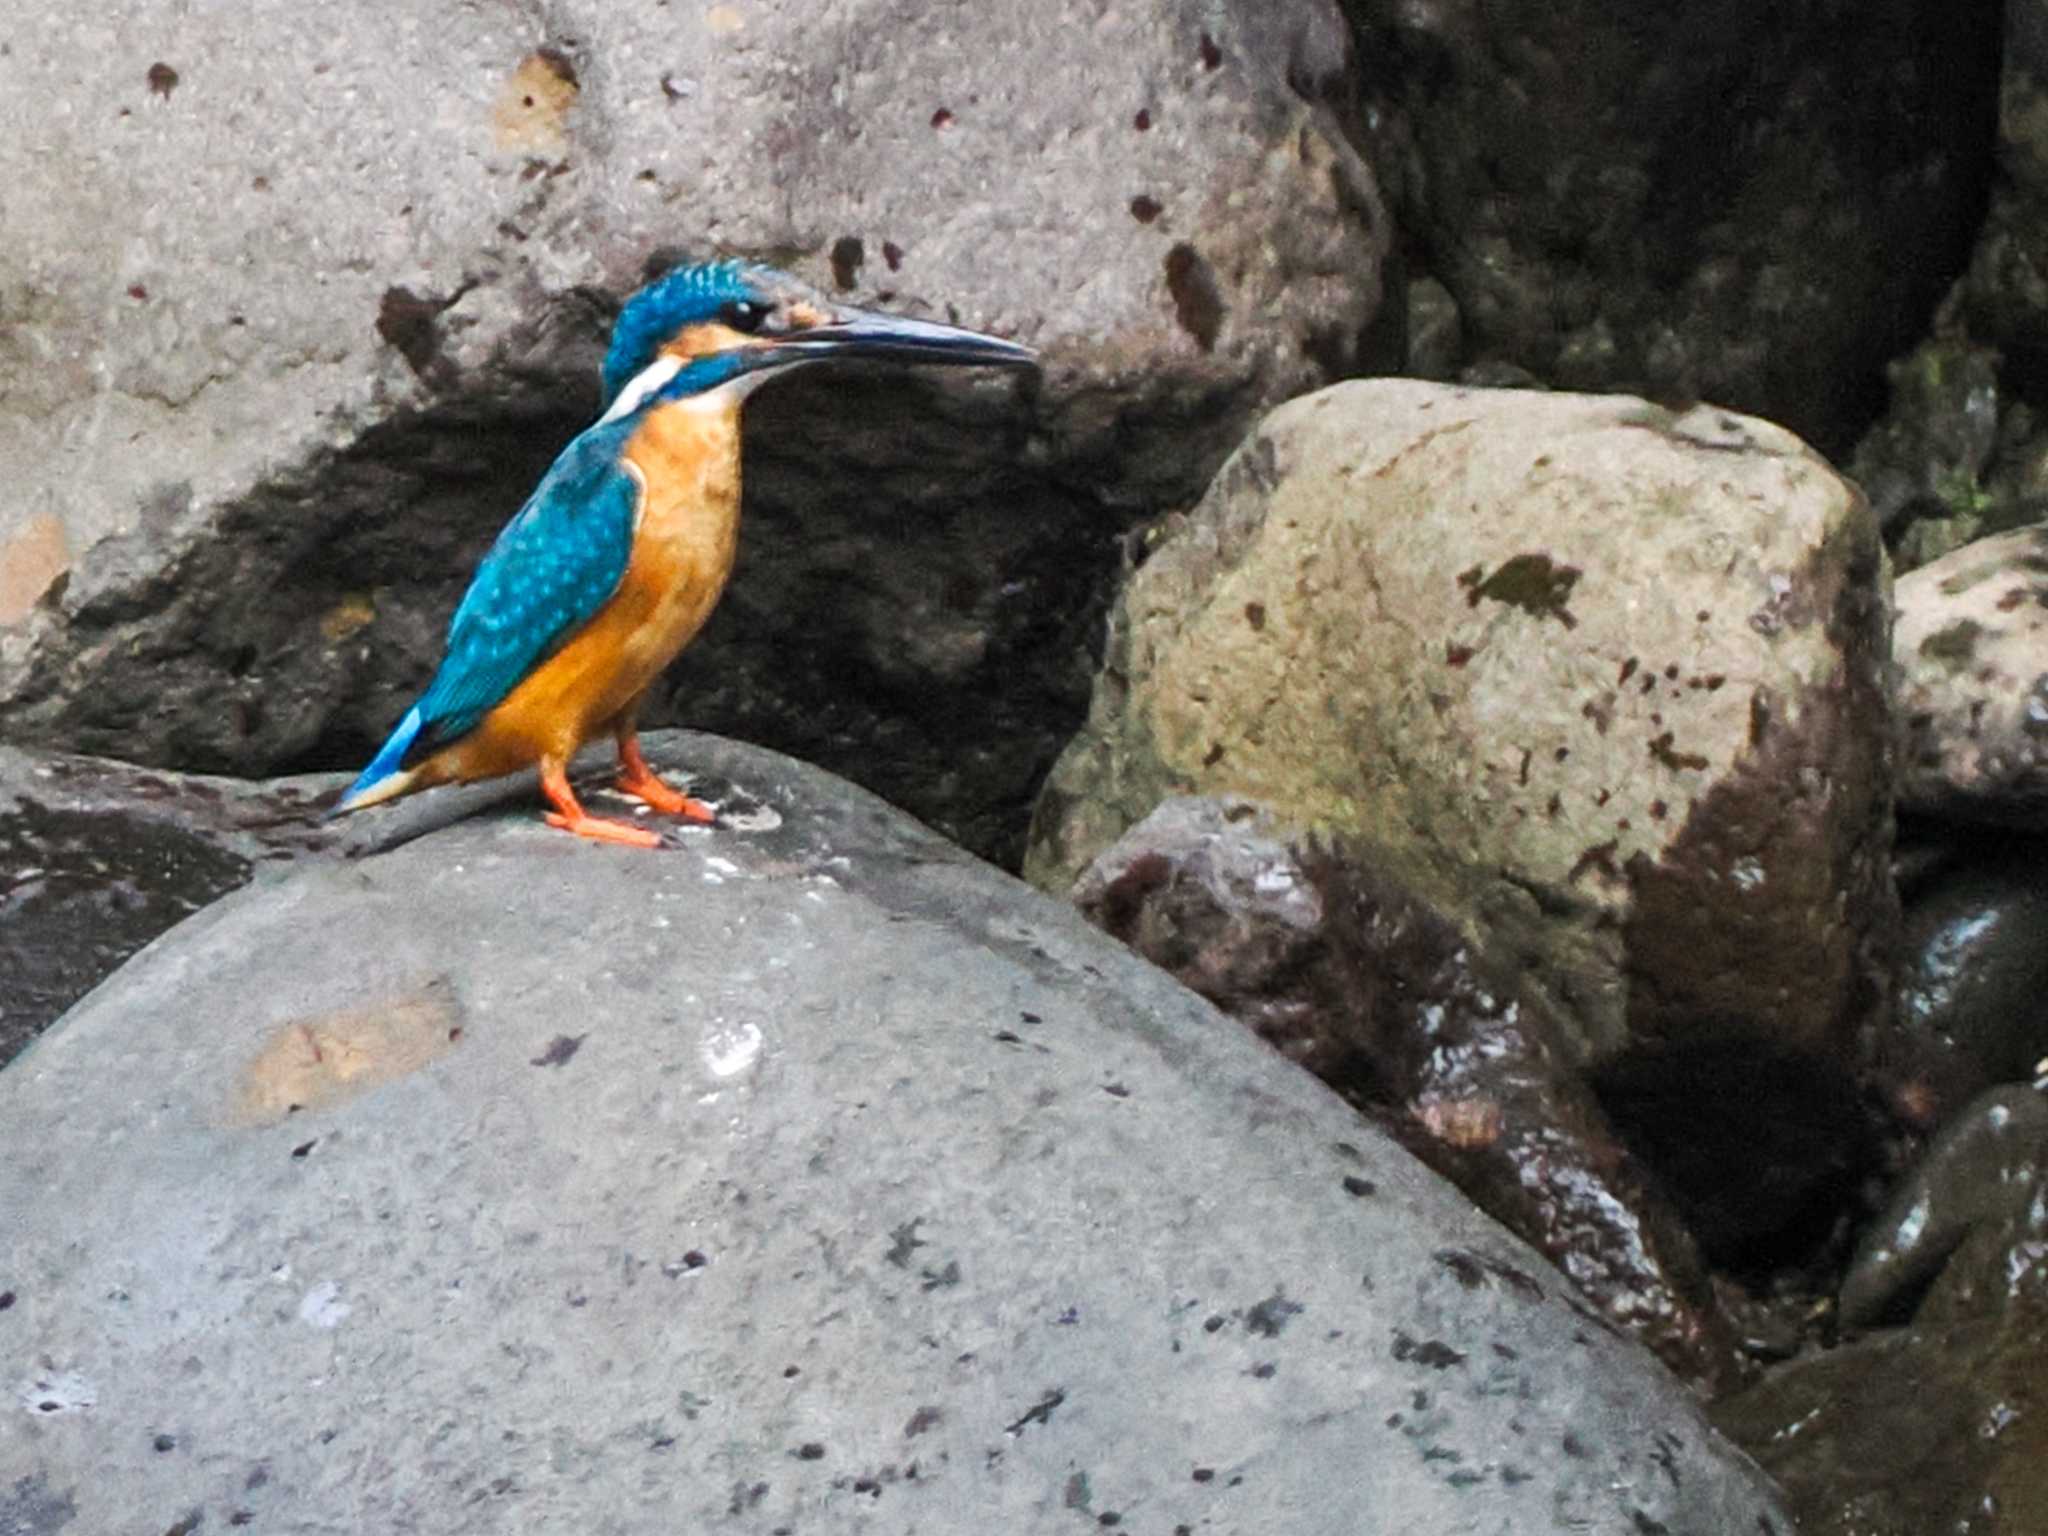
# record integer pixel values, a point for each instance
(322, 1306)
(763, 818)
(54, 1392)
(730, 1049)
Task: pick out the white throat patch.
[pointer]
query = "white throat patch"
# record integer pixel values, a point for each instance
(641, 385)
(649, 380)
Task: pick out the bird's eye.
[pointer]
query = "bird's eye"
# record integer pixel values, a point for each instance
(745, 315)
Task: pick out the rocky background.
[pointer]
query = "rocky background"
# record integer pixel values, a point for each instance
(1601, 736)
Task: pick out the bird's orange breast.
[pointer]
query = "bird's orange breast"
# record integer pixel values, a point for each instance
(686, 460)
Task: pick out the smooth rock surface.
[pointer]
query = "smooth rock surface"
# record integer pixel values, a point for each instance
(1602, 683)
(1973, 984)
(292, 317)
(1971, 643)
(805, 1175)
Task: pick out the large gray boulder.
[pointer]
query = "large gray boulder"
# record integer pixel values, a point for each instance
(252, 445)
(806, 1174)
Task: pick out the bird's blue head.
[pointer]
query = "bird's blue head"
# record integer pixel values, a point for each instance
(708, 325)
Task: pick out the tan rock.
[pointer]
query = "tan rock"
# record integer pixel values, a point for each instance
(1601, 682)
(1972, 652)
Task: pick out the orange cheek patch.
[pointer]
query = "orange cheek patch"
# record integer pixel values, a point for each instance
(703, 341)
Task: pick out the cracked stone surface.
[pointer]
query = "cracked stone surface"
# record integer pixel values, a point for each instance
(804, 1173)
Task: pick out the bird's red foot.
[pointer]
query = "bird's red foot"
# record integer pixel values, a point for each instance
(570, 816)
(600, 830)
(639, 781)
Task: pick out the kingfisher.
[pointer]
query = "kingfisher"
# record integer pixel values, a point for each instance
(621, 552)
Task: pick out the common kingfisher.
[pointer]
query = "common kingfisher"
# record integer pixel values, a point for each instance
(622, 550)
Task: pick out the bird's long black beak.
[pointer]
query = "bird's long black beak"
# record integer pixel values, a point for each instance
(857, 333)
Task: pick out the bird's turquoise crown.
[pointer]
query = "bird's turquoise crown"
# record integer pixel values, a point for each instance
(686, 295)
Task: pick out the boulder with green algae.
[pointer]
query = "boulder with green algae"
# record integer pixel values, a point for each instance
(1601, 682)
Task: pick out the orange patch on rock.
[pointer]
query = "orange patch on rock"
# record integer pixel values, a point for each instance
(531, 113)
(1466, 1123)
(29, 562)
(328, 1058)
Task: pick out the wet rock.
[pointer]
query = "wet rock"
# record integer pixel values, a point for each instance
(1983, 1172)
(874, 1186)
(418, 298)
(1972, 651)
(98, 858)
(1909, 1432)
(1973, 988)
(1598, 683)
(1563, 191)
(1385, 1001)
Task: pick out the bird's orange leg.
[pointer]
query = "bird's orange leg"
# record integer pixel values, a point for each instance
(638, 780)
(569, 815)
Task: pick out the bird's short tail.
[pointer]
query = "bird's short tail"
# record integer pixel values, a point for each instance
(384, 779)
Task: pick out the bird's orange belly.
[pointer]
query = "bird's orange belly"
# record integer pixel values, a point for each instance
(578, 692)
(682, 554)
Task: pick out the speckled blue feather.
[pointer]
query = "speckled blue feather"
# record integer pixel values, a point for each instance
(554, 566)
(686, 296)
(551, 569)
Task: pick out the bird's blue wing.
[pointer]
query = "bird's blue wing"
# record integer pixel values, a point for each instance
(554, 566)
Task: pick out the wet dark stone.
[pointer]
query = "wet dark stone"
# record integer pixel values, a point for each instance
(1974, 987)
(1605, 242)
(98, 858)
(1974, 1212)
(1383, 999)
(1933, 1428)
(79, 893)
